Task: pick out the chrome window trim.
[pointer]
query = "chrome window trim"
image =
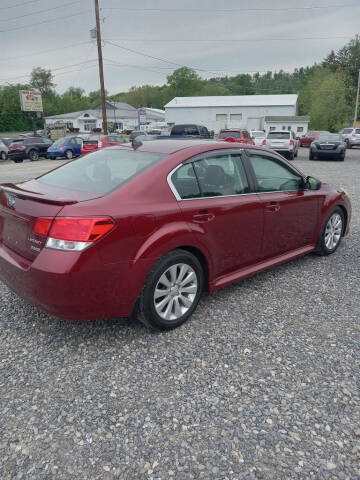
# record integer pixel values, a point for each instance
(179, 199)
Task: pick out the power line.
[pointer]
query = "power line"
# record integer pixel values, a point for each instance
(39, 11)
(19, 4)
(153, 57)
(41, 23)
(52, 69)
(229, 10)
(231, 40)
(43, 51)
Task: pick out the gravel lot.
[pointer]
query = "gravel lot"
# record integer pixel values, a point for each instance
(262, 382)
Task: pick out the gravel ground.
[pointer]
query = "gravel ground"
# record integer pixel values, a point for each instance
(262, 382)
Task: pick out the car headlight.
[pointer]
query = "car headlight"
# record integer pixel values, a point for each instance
(345, 193)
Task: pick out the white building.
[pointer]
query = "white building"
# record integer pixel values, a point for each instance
(123, 116)
(298, 124)
(244, 111)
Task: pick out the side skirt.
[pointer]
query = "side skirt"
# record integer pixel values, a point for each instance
(248, 271)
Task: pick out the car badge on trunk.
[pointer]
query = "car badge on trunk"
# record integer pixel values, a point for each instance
(10, 200)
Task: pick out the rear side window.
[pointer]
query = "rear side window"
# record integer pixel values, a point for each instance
(357, 130)
(215, 176)
(279, 135)
(101, 172)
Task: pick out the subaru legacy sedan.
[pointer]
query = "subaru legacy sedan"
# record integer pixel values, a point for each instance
(144, 231)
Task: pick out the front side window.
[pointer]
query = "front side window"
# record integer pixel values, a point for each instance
(272, 175)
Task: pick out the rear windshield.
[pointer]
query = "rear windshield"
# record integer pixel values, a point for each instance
(258, 134)
(347, 130)
(357, 130)
(102, 171)
(184, 130)
(279, 135)
(332, 137)
(229, 134)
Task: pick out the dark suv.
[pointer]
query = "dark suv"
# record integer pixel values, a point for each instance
(30, 147)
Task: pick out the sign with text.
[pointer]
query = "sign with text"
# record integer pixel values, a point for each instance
(142, 117)
(31, 101)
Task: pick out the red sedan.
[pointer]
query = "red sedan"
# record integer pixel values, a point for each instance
(236, 135)
(94, 142)
(310, 137)
(148, 229)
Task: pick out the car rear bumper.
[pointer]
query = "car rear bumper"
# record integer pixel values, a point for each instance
(17, 156)
(61, 284)
(354, 141)
(328, 153)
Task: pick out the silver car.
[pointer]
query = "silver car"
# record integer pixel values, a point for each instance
(283, 142)
(351, 136)
(3, 151)
(258, 136)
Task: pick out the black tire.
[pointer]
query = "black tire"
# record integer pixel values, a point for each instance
(52, 158)
(33, 155)
(146, 311)
(18, 161)
(291, 156)
(296, 153)
(69, 154)
(311, 155)
(321, 248)
(3, 155)
(342, 158)
(349, 145)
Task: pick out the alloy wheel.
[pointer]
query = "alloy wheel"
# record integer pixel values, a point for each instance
(175, 291)
(333, 231)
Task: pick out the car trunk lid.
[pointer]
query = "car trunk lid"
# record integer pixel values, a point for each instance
(89, 146)
(20, 207)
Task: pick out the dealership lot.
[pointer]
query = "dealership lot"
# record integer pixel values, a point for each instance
(260, 383)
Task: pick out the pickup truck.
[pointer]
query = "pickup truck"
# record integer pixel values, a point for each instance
(188, 130)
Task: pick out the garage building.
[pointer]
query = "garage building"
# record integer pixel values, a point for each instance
(240, 111)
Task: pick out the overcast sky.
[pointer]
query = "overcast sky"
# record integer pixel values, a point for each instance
(214, 37)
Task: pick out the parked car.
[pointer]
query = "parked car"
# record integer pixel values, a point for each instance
(258, 136)
(65, 147)
(3, 150)
(28, 147)
(147, 230)
(328, 146)
(7, 141)
(352, 137)
(237, 135)
(95, 142)
(283, 142)
(189, 130)
(309, 137)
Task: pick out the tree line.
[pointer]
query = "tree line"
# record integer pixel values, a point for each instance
(326, 90)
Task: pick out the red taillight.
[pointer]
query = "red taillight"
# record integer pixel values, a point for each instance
(292, 142)
(264, 141)
(80, 229)
(62, 149)
(42, 226)
(74, 229)
(353, 134)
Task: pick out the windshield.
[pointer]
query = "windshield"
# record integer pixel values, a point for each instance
(278, 135)
(332, 137)
(102, 171)
(258, 134)
(58, 142)
(229, 134)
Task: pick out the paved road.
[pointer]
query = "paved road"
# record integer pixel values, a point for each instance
(262, 382)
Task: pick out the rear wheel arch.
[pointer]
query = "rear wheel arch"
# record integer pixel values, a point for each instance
(345, 213)
(202, 259)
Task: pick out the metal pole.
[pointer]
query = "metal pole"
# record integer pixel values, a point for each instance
(357, 101)
(101, 70)
(33, 122)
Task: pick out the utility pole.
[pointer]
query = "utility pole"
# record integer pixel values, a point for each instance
(357, 101)
(101, 70)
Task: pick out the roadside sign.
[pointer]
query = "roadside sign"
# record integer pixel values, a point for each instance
(31, 101)
(141, 117)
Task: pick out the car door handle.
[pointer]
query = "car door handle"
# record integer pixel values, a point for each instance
(203, 216)
(272, 207)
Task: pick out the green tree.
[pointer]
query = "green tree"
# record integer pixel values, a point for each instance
(184, 82)
(42, 80)
(324, 97)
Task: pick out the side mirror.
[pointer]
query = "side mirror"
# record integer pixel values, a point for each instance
(312, 183)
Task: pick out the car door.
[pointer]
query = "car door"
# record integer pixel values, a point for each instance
(214, 197)
(290, 211)
(78, 145)
(44, 145)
